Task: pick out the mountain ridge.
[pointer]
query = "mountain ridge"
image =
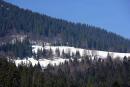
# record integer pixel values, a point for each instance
(15, 20)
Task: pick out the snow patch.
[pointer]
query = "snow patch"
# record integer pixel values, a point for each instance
(35, 48)
(43, 62)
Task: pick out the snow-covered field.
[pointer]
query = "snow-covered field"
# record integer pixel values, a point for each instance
(56, 61)
(102, 54)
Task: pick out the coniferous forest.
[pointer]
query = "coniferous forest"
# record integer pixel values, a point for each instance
(87, 73)
(14, 20)
(79, 71)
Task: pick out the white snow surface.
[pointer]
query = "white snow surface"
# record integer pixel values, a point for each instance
(56, 60)
(43, 62)
(26, 61)
(35, 48)
(102, 54)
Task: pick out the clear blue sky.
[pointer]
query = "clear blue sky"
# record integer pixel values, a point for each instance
(113, 15)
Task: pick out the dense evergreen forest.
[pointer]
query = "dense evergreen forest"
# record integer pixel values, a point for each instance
(14, 20)
(17, 50)
(87, 73)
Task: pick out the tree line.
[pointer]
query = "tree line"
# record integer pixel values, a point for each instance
(50, 54)
(85, 73)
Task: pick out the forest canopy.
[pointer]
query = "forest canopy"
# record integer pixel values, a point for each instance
(15, 20)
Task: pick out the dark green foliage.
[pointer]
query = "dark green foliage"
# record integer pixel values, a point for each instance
(58, 32)
(9, 74)
(86, 73)
(57, 52)
(44, 54)
(77, 55)
(18, 49)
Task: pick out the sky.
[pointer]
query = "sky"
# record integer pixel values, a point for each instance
(112, 15)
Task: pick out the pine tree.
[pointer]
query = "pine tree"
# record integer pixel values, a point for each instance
(57, 52)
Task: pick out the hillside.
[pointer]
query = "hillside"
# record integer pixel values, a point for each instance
(69, 53)
(37, 50)
(15, 21)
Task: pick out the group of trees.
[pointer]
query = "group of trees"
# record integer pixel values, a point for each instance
(22, 76)
(85, 73)
(49, 53)
(58, 32)
(44, 54)
(18, 49)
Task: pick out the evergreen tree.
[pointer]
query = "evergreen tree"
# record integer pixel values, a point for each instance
(57, 52)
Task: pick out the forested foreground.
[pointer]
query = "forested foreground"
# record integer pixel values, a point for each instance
(86, 73)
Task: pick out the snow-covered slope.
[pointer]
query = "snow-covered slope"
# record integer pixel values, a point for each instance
(101, 54)
(56, 60)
